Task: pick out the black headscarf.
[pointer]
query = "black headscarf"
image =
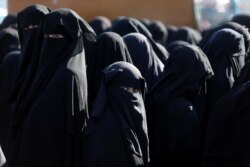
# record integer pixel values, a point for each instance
(232, 25)
(175, 45)
(8, 73)
(116, 134)
(172, 30)
(188, 34)
(174, 124)
(226, 52)
(144, 57)
(158, 31)
(9, 41)
(109, 48)
(227, 140)
(100, 24)
(9, 21)
(48, 123)
(128, 25)
(242, 19)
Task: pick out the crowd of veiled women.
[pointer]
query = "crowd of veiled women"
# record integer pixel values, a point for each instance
(124, 92)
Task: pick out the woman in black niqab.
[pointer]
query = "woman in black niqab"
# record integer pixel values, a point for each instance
(108, 48)
(174, 124)
(226, 52)
(128, 25)
(227, 139)
(116, 134)
(48, 124)
(234, 26)
(144, 57)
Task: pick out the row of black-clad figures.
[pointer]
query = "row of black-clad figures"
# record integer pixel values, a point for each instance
(127, 92)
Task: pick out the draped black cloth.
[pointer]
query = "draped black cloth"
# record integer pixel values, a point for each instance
(2, 158)
(128, 25)
(188, 34)
(175, 45)
(9, 21)
(158, 31)
(172, 30)
(47, 125)
(108, 48)
(9, 41)
(100, 24)
(242, 19)
(244, 75)
(226, 52)
(29, 20)
(174, 124)
(227, 139)
(232, 25)
(144, 57)
(116, 133)
(8, 73)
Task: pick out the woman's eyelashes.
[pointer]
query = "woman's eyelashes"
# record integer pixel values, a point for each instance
(131, 89)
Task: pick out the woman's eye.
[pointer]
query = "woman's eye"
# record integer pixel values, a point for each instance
(57, 36)
(30, 27)
(131, 90)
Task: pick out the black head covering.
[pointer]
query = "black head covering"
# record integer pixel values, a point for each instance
(144, 57)
(175, 45)
(172, 30)
(128, 25)
(188, 34)
(226, 52)
(228, 136)
(244, 75)
(8, 73)
(158, 31)
(242, 19)
(100, 24)
(188, 65)
(174, 124)
(48, 123)
(232, 25)
(146, 22)
(9, 41)
(117, 129)
(9, 21)
(29, 20)
(109, 48)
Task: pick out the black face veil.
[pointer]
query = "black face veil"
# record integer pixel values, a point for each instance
(48, 123)
(120, 109)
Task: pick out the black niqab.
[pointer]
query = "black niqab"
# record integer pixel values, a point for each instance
(226, 52)
(116, 134)
(47, 125)
(174, 124)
